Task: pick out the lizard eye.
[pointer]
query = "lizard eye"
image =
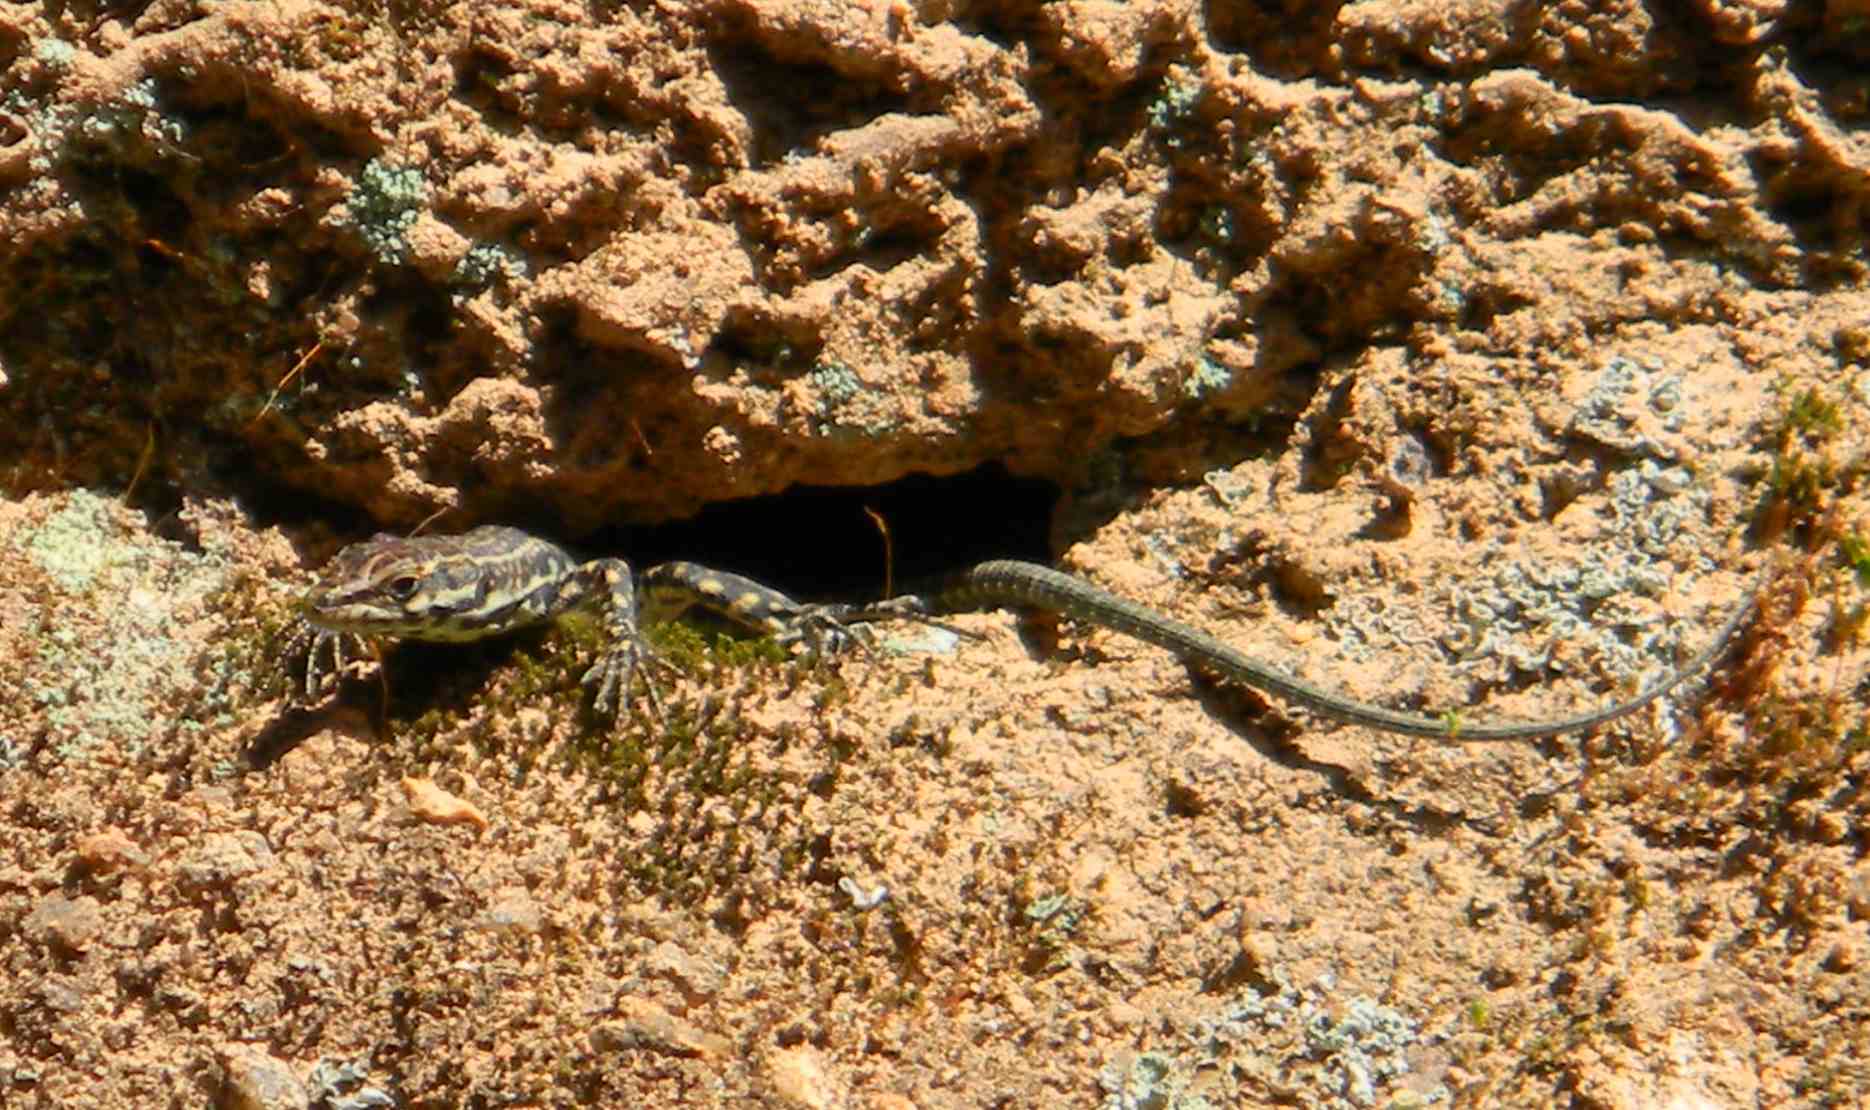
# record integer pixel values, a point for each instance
(402, 587)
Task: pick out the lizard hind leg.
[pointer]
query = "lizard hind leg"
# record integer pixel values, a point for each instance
(671, 589)
(856, 618)
(824, 630)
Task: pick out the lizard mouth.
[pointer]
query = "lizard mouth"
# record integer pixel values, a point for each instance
(324, 610)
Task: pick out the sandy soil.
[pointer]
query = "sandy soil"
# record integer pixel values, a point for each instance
(1449, 354)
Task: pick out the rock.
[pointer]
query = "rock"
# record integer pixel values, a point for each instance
(798, 1076)
(643, 1024)
(698, 979)
(258, 1081)
(514, 911)
(108, 850)
(222, 859)
(65, 924)
(431, 803)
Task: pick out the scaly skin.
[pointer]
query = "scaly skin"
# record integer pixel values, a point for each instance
(1006, 582)
(493, 580)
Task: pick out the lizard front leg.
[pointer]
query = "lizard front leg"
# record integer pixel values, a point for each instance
(606, 588)
(312, 645)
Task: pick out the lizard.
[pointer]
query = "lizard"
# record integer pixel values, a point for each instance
(1007, 582)
(494, 580)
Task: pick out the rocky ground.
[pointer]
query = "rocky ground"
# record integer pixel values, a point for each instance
(1453, 355)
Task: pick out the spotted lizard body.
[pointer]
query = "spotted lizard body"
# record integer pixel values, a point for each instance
(495, 580)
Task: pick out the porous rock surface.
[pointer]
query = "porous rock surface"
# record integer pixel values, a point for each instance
(631, 259)
(1447, 353)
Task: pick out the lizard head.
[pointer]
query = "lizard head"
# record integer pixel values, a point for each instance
(392, 586)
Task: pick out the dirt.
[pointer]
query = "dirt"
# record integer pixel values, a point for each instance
(1459, 357)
